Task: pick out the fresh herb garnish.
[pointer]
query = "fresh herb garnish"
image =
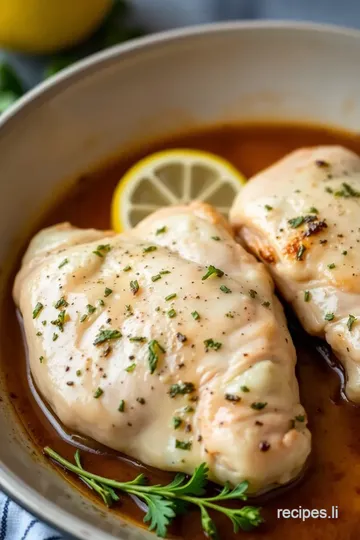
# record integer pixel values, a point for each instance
(156, 278)
(313, 210)
(170, 297)
(134, 286)
(177, 422)
(98, 392)
(127, 268)
(225, 289)
(131, 368)
(102, 249)
(83, 317)
(154, 352)
(300, 418)
(216, 238)
(350, 322)
(165, 502)
(162, 230)
(211, 344)
(331, 266)
(296, 222)
(232, 397)
(90, 308)
(41, 359)
(244, 389)
(138, 339)
(60, 321)
(107, 292)
(183, 445)
(212, 271)
(329, 316)
(300, 252)
(164, 272)
(101, 302)
(61, 303)
(129, 310)
(195, 315)
(307, 296)
(181, 388)
(268, 207)
(347, 191)
(37, 310)
(65, 261)
(258, 405)
(121, 407)
(171, 313)
(107, 335)
(149, 249)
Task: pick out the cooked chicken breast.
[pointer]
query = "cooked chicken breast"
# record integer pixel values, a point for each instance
(302, 218)
(168, 344)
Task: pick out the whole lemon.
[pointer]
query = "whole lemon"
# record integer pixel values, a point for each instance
(42, 26)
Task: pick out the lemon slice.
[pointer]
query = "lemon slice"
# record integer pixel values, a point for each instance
(174, 177)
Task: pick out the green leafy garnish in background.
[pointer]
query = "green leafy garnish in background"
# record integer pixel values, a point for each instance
(164, 503)
(116, 29)
(11, 87)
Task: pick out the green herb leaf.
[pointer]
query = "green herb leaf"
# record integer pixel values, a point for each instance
(258, 405)
(268, 207)
(91, 309)
(171, 313)
(212, 271)
(351, 321)
(107, 292)
(177, 422)
(331, 266)
(181, 388)
(300, 252)
(102, 249)
(139, 339)
(134, 286)
(156, 277)
(211, 344)
(37, 310)
(98, 392)
(154, 352)
(307, 296)
(225, 289)
(329, 316)
(162, 230)
(131, 368)
(127, 268)
(121, 407)
(296, 222)
(160, 513)
(183, 445)
(195, 315)
(61, 303)
(65, 261)
(170, 297)
(149, 249)
(208, 525)
(107, 335)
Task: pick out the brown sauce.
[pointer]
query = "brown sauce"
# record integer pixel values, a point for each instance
(332, 477)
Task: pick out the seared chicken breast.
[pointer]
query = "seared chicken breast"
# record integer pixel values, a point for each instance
(302, 218)
(166, 343)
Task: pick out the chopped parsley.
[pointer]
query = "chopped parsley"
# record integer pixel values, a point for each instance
(128, 310)
(347, 191)
(154, 351)
(55, 336)
(164, 272)
(61, 303)
(170, 297)
(156, 278)
(83, 318)
(121, 407)
(162, 230)
(127, 268)
(60, 321)
(300, 252)
(183, 445)
(216, 238)
(329, 317)
(41, 359)
(138, 339)
(225, 289)
(98, 392)
(107, 292)
(102, 249)
(195, 315)
(350, 322)
(101, 303)
(300, 418)
(307, 296)
(78, 372)
(134, 286)
(313, 210)
(107, 335)
(65, 261)
(211, 344)
(244, 389)
(39, 334)
(212, 271)
(37, 310)
(181, 388)
(177, 422)
(149, 249)
(90, 308)
(258, 405)
(268, 207)
(296, 222)
(131, 368)
(331, 266)
(171, 313)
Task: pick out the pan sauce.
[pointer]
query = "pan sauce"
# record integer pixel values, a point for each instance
(332, 477)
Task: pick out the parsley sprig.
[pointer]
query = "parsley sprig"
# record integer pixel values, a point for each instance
(164, 503)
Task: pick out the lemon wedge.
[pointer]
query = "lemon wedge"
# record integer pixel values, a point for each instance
(173, 177)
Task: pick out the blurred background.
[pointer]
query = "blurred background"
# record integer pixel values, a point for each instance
(40, 37)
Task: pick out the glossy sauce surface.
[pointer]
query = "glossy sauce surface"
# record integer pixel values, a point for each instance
(332, 477)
